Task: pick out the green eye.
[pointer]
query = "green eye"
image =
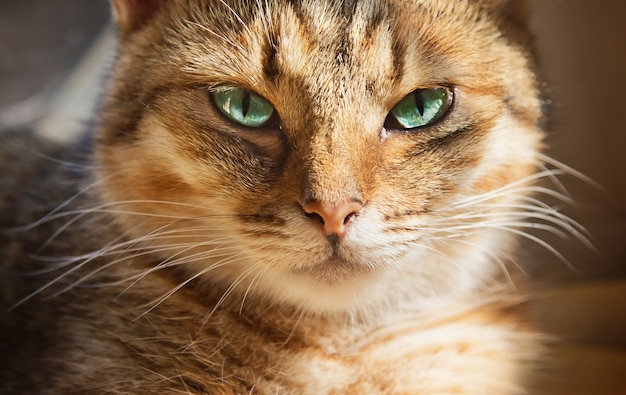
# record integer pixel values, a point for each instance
(420, 108)
(244, 107)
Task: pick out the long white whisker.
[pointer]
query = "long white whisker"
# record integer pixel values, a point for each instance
(251, 286)
(180, 259)
(52, 214)
(201, 273)
(497, 258)
(233, 286)
(87, 258)
(536, 211)
(106, 208)
(570, 170)
(555, 180)
(506, 190)
(542, 243)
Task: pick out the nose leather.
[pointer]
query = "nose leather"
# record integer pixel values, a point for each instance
(333, 217)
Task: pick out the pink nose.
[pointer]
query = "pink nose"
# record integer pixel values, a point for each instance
(334, 217)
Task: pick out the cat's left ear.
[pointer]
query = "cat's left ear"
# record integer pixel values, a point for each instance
(132, 14)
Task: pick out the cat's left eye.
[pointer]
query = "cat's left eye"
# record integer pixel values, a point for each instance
(242, 106)
(420, 108)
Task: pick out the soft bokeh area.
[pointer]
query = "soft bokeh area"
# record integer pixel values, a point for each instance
(582, 49)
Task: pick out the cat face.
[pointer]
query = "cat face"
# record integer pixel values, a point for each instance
(325, 154)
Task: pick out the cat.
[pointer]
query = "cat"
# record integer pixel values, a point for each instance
(286, 197)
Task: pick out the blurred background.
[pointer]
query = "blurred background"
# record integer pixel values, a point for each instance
(41, 43)
(582, 48)
(53, 53)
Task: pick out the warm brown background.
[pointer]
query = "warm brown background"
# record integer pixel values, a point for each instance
(582, 46)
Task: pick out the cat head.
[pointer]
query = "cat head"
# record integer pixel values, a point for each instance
(319, 153)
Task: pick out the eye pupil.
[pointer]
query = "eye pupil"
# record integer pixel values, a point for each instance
(419, 103)
(245, 104)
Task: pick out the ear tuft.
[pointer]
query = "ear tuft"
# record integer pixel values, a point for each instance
(132, 14)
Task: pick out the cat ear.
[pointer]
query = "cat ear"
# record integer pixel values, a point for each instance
(132, 14)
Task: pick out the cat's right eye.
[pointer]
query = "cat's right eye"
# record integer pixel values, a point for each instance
(242, 106)
(420, 108)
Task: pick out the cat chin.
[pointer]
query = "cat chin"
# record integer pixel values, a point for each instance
(314, 293)
(418, 282)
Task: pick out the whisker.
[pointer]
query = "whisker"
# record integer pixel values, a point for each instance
(251, 286)
(570, 170)
(507, 217)
(498, 259)
(297, 323)
(106, 208)
(182, 259)
(111, 248)
(85, 259)
(560, 222)
(522, 192)
(555, 180)
(51, 215)
(233, 286)
(507, 189)
(201, 273)
(542, 243)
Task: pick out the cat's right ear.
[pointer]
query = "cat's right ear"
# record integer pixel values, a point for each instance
(132, 14)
